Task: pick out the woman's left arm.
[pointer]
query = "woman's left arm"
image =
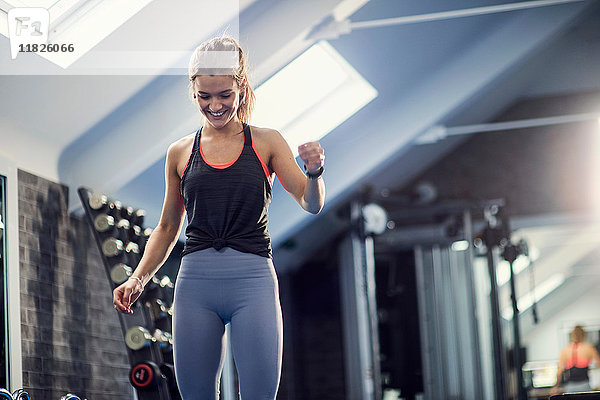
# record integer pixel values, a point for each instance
(308, 192)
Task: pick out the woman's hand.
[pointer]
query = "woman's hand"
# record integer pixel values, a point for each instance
(308, 192)
(313, 156)
(126, 294)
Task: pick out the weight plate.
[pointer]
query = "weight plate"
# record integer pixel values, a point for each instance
(119, 273)
(103, 222)
(112, 247)
(138, 337)
(97, 201)
(145, 375)
(70, 396)
(21, 394)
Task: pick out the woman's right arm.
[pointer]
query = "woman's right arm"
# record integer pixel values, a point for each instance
(163, 237)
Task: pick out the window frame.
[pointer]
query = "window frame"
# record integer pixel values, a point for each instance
(8, 169)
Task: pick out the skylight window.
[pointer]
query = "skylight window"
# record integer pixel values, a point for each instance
(311, 96)
(80, 23)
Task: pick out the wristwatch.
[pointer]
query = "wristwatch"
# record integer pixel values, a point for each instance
(315, 175)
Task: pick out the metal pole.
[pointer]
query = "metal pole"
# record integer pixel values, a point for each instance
(457, 330)
(457, 13)
(510, 255)
(369, 266)
(496, 328)
(468, 229)
(517, 338)
(439, 132)
(430, 381)
(358, 329)
(441, 329)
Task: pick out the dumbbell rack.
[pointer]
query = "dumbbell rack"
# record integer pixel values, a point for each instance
(152, 374)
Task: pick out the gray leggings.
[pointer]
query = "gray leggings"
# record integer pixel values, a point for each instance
(214, 288)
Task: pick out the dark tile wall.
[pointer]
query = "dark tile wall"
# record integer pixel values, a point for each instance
(71, 336)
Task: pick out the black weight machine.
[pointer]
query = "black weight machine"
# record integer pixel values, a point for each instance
(497, 234)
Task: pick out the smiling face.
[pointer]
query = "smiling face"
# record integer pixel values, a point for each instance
(217, 96)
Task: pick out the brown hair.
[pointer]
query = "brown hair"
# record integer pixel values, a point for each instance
(198, 66)
(578, 334)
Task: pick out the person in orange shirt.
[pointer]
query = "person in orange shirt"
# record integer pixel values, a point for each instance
(574, 362)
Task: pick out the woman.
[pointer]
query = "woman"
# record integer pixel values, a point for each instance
(222, 176)
(574, 361)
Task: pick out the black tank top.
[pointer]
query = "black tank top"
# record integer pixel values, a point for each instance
(577, 370)
(228, 205)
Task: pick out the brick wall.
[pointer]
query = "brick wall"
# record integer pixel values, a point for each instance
(71, 336)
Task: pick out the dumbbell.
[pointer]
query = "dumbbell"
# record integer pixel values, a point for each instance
(158, 309)
(120, 272)
(165, 317)
(147, 232)
(138, 217)
(144, 240)
(145, 375)
(107, 225)
(168, 370)
(122, 231)
(132, 250)
(167, 288)
(70, 396)
(159, 312)
(126, 213)
(118, 252)
(20, 394)
(117, 207)
(165, 281)
(152, 291)
(164, 340)
(100, 203)
(104, 223)
(5, 395)
(138, 337)
(113, 247)
(135, 234)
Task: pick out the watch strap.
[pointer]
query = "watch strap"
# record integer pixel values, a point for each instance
(315, 175)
